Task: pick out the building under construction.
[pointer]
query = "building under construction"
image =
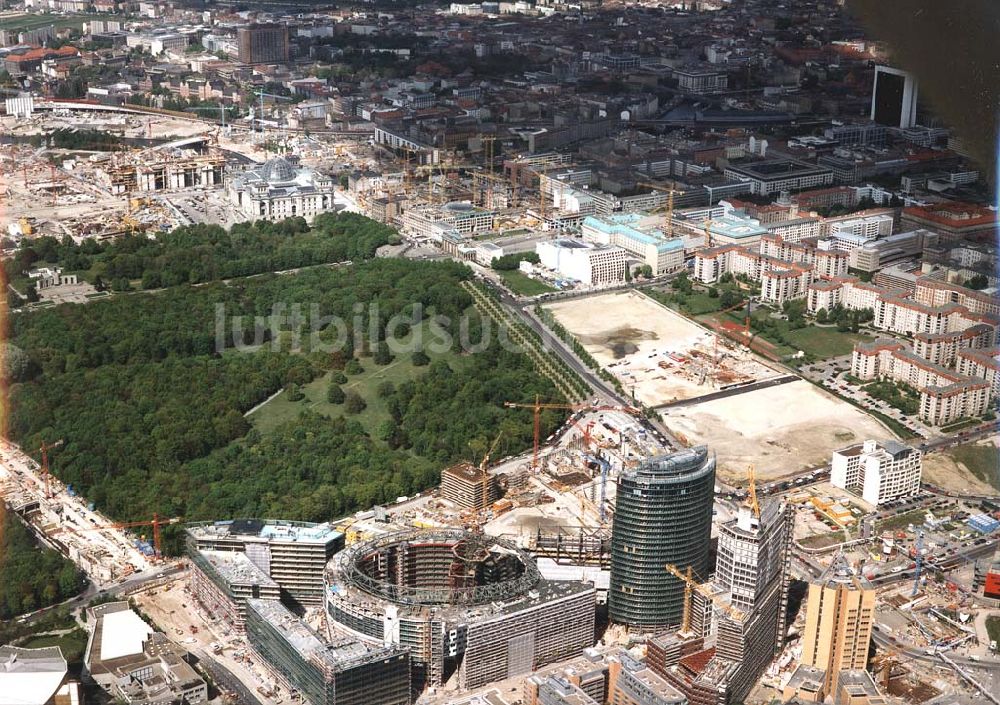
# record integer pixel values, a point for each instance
(468, 486)
(459, 601)
(339, 672)
(184, 164)
(290, 553)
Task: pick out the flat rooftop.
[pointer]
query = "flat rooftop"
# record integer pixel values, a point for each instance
(236, 568)
(277, 530)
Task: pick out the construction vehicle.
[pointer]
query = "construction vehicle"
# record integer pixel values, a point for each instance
(46, 476)
(690, 585)
(156, 522)
(670, 203)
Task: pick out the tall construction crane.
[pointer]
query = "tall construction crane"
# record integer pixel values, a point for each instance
(538, 406)
(156, 522)
(46, 476)
(260, 118)
(690, 585)
(670, 202)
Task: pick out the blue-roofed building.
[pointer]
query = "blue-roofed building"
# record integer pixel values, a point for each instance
(735, 229)
(983, 523)
(639, 236)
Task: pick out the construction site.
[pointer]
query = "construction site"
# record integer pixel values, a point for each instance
(659, 354)
(107, 552)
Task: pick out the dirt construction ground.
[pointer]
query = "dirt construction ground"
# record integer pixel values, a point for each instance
(781, 429)
(655, 352)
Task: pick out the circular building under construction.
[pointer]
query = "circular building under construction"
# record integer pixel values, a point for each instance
(459, 601)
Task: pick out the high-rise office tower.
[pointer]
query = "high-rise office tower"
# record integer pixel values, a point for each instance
(663, 514)
(894, 97)
(840, 611)
(752, 567)
(263, 44)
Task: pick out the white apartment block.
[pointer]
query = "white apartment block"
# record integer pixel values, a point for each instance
(796, 229)
(945, 395)
(942, 348)
(780, 285)
(935, 292)
(878, 472)
(822, 295)
(981, 364)
(585, 262)
(868, 227)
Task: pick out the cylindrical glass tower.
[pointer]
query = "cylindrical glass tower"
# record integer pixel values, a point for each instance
(663, 514)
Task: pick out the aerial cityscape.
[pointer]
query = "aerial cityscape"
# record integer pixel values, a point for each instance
(531, 352)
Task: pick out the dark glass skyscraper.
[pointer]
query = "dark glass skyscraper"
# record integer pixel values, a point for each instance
(663, 514)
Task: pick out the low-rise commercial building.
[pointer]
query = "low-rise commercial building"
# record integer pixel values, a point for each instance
(584, 262)
(767, 176)
(36, 677)
(638, 236)
(632, 682)
(135, 664)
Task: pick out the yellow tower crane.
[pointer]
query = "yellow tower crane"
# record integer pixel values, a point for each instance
(690, 585)
(752, 492)
(670, 203)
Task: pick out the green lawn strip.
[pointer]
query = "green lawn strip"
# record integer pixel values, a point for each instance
(901, 521)
(524, 285)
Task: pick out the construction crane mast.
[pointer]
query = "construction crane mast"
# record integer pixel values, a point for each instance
(752, 492)
(690, 585)
(46, 476)
(156, 522)
(538, 407)
(919, 564)
(670, 203)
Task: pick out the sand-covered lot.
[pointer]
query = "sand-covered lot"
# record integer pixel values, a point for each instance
(654, 351)
(779, 429)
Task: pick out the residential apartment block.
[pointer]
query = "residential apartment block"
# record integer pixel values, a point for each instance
(877, 471)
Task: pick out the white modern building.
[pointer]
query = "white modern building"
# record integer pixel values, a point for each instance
(277, 190)
(639, 237)
(585, 262)
(878, 471)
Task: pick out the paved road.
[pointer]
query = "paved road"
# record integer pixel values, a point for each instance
(885, 641)
(722, 394)
(225, 679)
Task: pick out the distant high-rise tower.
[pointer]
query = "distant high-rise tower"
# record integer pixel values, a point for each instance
(840, 611)
(663, 514)
(263, 44)
(894, 97)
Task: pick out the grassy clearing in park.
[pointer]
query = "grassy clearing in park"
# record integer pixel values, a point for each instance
(982, 460)
(21, 23)
(282, 409)
(72, 643)
(523, 285)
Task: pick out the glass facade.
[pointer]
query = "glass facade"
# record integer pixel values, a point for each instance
(663, 514)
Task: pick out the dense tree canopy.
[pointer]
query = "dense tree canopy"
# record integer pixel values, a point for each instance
(31, 577)
(150, 398)
(200, 253)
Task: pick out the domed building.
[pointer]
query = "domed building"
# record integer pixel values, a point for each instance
(279, 189)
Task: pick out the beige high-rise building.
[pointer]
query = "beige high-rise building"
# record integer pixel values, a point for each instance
(840, 612)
